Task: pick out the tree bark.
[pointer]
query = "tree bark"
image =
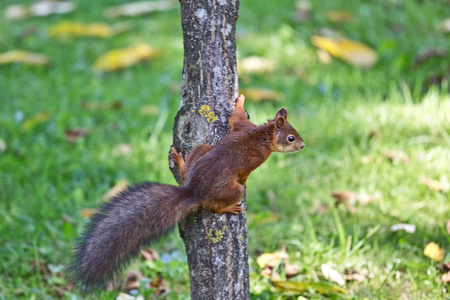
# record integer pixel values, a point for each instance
(216, 244)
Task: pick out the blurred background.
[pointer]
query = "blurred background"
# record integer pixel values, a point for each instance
(88, 94)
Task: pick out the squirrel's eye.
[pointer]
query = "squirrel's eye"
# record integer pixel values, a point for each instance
(291, 138)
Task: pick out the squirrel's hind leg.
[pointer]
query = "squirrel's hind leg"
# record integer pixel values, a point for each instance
(229, 199)
(194, 155)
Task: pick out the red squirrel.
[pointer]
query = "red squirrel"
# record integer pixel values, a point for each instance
(213, 178)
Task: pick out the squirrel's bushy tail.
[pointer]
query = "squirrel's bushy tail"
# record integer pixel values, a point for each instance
(130, 220)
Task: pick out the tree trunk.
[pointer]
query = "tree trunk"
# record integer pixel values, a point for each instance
(216, 244)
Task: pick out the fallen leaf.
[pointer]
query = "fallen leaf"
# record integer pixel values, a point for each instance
(257, 95)
(38, 118)
(120, 186)
(132, 9)
(350, 51)
(447, 226)
(345, 197)
(125, 57)
(446, 277)
(409, 228)
(444, 267)
(271, 259)
(395, 156)
(432, 184)
(364, 199)
(339, 16)
(332, 275)
(444, 27)
(291, 270)
(75, 134)
(255, 65)
(39, 9)
(25, 57)
(433, 251)
(427, 54)
(133, 280)
(71, 29)
(302, 287)
(355, 276)
(87, 212)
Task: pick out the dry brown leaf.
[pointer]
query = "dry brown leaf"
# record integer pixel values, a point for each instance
(24, 57)
(270, 259)
(447, 226)
(345, 197)
(71, 29)
(267, 272)
(133, 280)
(124, 57)
(432, 184)
(38, 118)
(339, 16)
(433, 251)
(138, 8)
(291, 270)
(75, 134)
(350, 51)
(395, 156)
(355, 276)
(257, 95)
(255, 65)
(444, 267)
(446, 277)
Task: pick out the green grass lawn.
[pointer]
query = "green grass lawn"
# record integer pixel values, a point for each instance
(349, 118)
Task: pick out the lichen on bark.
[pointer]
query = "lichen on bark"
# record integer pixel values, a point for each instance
(216, 244)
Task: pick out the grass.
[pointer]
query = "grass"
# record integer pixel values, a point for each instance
(347, 116)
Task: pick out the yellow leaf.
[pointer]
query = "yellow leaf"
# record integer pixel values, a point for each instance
(339, 16)
(271, 259)
(433, 251)
(349, 51)
(257, 94)
(432, 184)
(301, 287)
(125, 57)
(255, 65)
(87, 212)
(19, 56)
(67, 29)
(34, 120)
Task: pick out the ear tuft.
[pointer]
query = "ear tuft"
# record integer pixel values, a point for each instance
(282, 113)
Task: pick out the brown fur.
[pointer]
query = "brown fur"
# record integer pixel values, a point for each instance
(213, 178)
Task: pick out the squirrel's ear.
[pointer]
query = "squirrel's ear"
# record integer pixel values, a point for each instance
(280, 121)
(282, 113)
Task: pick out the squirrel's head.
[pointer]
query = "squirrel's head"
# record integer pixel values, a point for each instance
(285, 138)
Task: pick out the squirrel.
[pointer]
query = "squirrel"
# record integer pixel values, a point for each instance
(213, 178)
